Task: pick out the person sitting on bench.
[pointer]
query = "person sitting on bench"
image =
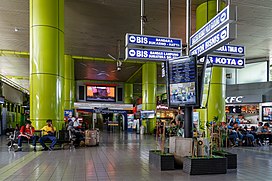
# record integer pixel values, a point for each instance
(48, 133)
(27, 132)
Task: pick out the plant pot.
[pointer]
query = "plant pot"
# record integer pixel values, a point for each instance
(205, 165)
(231, 159)
(161, 161)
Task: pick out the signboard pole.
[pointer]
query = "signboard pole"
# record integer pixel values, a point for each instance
(188, 122)
(188, 111)
(142, 17)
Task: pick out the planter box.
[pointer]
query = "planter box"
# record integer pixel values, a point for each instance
(231, 159)
(161, 162)
(201, 166)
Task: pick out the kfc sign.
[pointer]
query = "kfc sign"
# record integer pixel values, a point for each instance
(237, 99)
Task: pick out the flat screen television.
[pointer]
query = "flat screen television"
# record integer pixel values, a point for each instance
(147, 114)
(183, 82)
(267, 113)
(101, 93)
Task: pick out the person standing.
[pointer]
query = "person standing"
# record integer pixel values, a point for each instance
(26, 133)
(48, 133)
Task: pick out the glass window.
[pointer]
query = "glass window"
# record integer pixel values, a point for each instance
(254, 72)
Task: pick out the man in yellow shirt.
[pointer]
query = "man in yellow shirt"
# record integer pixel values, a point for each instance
(48, 133)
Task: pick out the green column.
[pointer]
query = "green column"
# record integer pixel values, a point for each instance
(216, 99)
(128, 93)
(149, 90)
(69, 81)
(46, 61)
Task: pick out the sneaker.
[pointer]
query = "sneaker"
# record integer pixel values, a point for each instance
(51, 148)
(19, 149)
(45, 149)
(34, 149)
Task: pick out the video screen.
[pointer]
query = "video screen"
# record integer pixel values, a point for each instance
(183, 82)
(147, 114)
(182, 93)
(101, 93)
(267, 113)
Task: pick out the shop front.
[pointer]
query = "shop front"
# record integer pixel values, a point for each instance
(244, 108)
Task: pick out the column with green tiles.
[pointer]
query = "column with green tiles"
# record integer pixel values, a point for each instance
(128, 93)
(69, 82)
(46, 61)
(149, 91)
(216, 99)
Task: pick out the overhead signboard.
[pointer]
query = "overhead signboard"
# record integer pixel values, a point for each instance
(227, 15)
(216, 40)
(236, 50)
(224, 61)
(152, 41)
(149, 54)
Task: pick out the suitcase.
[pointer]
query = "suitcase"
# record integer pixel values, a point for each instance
(92, 137)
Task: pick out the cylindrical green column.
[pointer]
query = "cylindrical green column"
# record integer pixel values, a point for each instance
(69, 81)
(149, 91)
(46, 61)
(216, 99)
(128, 93)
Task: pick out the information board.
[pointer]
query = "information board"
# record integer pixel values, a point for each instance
(149, 54)
(183, 82)
(227, 15)
(152, 41)
(216, 40)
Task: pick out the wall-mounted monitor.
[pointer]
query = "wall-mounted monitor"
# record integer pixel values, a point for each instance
(147, 114)
(101, 93)
(267, 113)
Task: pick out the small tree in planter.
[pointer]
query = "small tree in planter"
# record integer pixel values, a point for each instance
(159, 159)
(218, 148)
(210, 164)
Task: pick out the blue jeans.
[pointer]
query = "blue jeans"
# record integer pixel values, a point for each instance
(21, 138)
(45, 137)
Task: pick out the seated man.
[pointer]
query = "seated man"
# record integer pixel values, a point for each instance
(235, 135)
(48, 133)
(265, 133)
(27, 133)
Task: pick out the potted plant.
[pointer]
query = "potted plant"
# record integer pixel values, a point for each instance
(158, 158)
(202, 160)
(218, 148)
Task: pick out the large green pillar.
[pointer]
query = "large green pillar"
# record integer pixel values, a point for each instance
(149, 90)
(46, 61)
(69, 82)
(216, 99)
(128, 93)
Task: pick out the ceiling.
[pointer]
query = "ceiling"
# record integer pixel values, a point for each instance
(94, 28)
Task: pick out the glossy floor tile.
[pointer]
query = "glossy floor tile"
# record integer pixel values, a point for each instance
(119, 157)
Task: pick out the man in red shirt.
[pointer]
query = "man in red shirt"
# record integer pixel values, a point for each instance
(27, 133)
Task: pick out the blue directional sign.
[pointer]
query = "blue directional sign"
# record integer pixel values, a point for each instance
(148, 54)
(216, 40)
(152, 41)
(224, 61)
(227, 15)
(237, 50)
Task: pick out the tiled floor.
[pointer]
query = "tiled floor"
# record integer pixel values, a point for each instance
(120, 157)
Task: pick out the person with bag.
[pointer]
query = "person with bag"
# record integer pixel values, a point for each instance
(48, 133)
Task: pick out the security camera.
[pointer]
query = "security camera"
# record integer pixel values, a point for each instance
(118, 68)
